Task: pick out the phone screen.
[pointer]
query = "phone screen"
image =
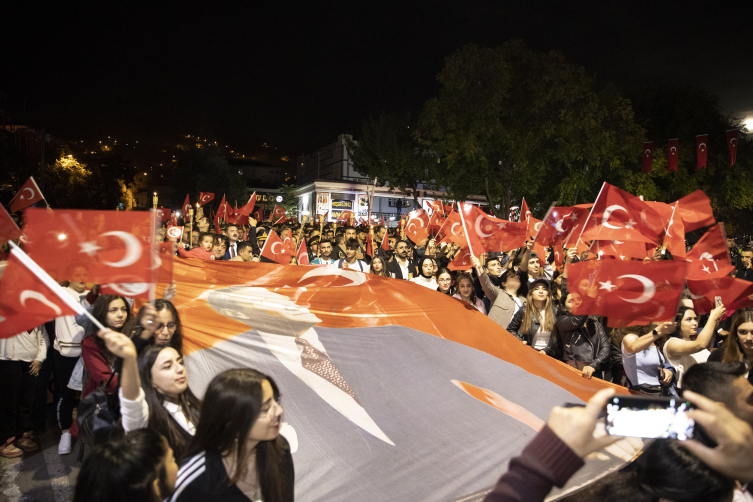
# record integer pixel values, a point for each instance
(649, 417)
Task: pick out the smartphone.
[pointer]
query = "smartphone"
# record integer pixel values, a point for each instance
(649, 417)
(718, 300)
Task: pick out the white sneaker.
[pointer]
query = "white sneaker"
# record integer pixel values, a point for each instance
(64, 448)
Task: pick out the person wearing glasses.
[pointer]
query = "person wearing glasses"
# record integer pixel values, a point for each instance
(444, 281)
(165, 330)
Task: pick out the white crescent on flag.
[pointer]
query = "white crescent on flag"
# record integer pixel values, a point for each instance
(133, 249)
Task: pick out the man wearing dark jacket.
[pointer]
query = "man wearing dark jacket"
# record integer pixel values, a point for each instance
(402, 267)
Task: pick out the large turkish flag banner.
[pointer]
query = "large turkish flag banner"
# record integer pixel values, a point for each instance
(29, 297)
(710, 258)
(490, 234)
(618, 215)
(107, 246)
(205, 197)
(629, 290)
(26, 196)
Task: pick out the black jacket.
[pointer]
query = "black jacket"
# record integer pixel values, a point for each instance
(394, 270)
(517, 321)
(580, 338)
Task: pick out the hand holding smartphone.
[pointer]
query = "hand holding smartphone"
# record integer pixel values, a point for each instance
(649, 417)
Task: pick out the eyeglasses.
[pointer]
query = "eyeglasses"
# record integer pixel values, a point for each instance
(269, 413)
(170, 326)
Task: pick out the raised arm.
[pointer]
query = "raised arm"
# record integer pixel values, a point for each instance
(634, 343)
(676, 347)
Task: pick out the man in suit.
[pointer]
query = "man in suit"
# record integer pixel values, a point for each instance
(370, 405)
(402, 267)
(233, 235)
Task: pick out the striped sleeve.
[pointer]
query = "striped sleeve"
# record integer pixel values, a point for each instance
(188, 486)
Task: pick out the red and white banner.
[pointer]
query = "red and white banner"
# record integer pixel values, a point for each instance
(303, 254)
(162, 272)
(205, 197)
(26, 196)
(673, 151)
(8, 229)
(275, 250)
(174, 233)
(489, 234)
(732, 146)
(710, 258)
(30, 297)
(701, 150)
(648, 156)
(417, 228)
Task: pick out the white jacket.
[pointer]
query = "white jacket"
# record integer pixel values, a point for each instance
(27, 346)
(68, 333)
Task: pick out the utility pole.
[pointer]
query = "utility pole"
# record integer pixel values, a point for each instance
(42, 165)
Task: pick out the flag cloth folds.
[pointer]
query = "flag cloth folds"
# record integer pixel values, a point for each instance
(205, 197)
(618, 215)
(187, 209)
(106, 246)
(732, 146)
(638, 292)
(452, 231)
(525, 213)
(303, 254)
(277, 213)
(673, 147)
(417, 228)
(29, 297)
(490, 234)
(648, 156)
(8, 228)
(735, 293)
(710, 258)
(162, 272)
(695, 211)
(701, 150)
(345, 216)
(258, 214)
(27, 195)
(275, 250)
(248, 208)
(407, 355)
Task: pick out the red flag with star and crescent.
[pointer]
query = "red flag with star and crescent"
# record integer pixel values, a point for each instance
(702, 150)
(648, 156)
(205, 197)
(303, 254)
(8, 228)
(695, 211)
(277, 213)
(162, 272)
(525, 213)
(417, 228)
(106, 246)
(30, 296)
(187, 208)
(462, 260)
(673, 150)
(709, 258)
(490, 234)
(258, 214)
(617, 215)
(248, 208)
(26, 196)
(734, 292)
(732, 145)
(627, 292)
(452, 231)
(577, 220)
(275, 250)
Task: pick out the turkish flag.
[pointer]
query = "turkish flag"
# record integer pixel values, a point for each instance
(370, 243)
(217, 229)
(205, 197)
(435, 205)
(187, 209)
(222, 211)
(555, 227)
(648, 156)
(490, 234)
(275, 250)
(26, 196)
(8, 228)
(436, 221)
(381, 221)
(386, 241)
(249, 207)
(111, 246)
(452, 231)
(672, 154)
(162, 272)
(674, 238)
(734, 293)
(258, 214)
(462, 260)
(627, 290)
(701, 150)
(163, 214)
(417, 228)
(710, 258)
(345, 216)
(303, 254)
(30, 297)
(578, 219)
(695, 211)
(289, 243)
(732, 145)
(525, 213)
(277, 213)
(618, 215)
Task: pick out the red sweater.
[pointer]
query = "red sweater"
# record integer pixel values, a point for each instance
(99, 372)
(196, 253)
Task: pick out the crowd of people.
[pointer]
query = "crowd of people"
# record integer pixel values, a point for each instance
(228, 445)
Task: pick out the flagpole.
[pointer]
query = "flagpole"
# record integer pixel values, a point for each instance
(465, 229)
(591, 212)
(50, 283)
(154, 249)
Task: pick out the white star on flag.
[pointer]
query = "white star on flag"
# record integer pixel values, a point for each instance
(89, 247)
(607, 285)
(706, 269)
(630, 224)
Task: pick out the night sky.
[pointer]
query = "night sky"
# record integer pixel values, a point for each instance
(298, 74)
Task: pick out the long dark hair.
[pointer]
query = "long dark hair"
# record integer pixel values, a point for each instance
(732, 351)
(467, 276)
(440, 272)
(159, 418)
(133, 328)
(124, 469)
(677, 333)
(232, 404)
(381, 273)
(99, 312)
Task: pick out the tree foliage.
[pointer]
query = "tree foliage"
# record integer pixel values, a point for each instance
(197, 170)
(386, 150)
(510, 122)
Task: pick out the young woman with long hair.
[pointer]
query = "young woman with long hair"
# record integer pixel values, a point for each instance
(238, 444)
(426, 274)
(739, 345)
(166, 329)
(533, 324)
(139, 466)
(444, 281)
(642, 359)
(467, 293)
(378, 267)
(686, 346)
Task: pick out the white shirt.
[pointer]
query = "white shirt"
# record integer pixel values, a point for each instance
(683, 363)
(427, 283)
(27, 346)
(541, 338)
(232, 248)
(403, 268)
(68, 333)
(135, 414)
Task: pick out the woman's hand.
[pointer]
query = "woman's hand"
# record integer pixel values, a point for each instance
(149, 320)
(666, 377)
(717, 313)
(34, 367)
(118, 344)
(588, 372)
(169, 293)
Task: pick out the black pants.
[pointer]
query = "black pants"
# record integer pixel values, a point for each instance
(16, 399)
(63, 395)
(38, 414)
